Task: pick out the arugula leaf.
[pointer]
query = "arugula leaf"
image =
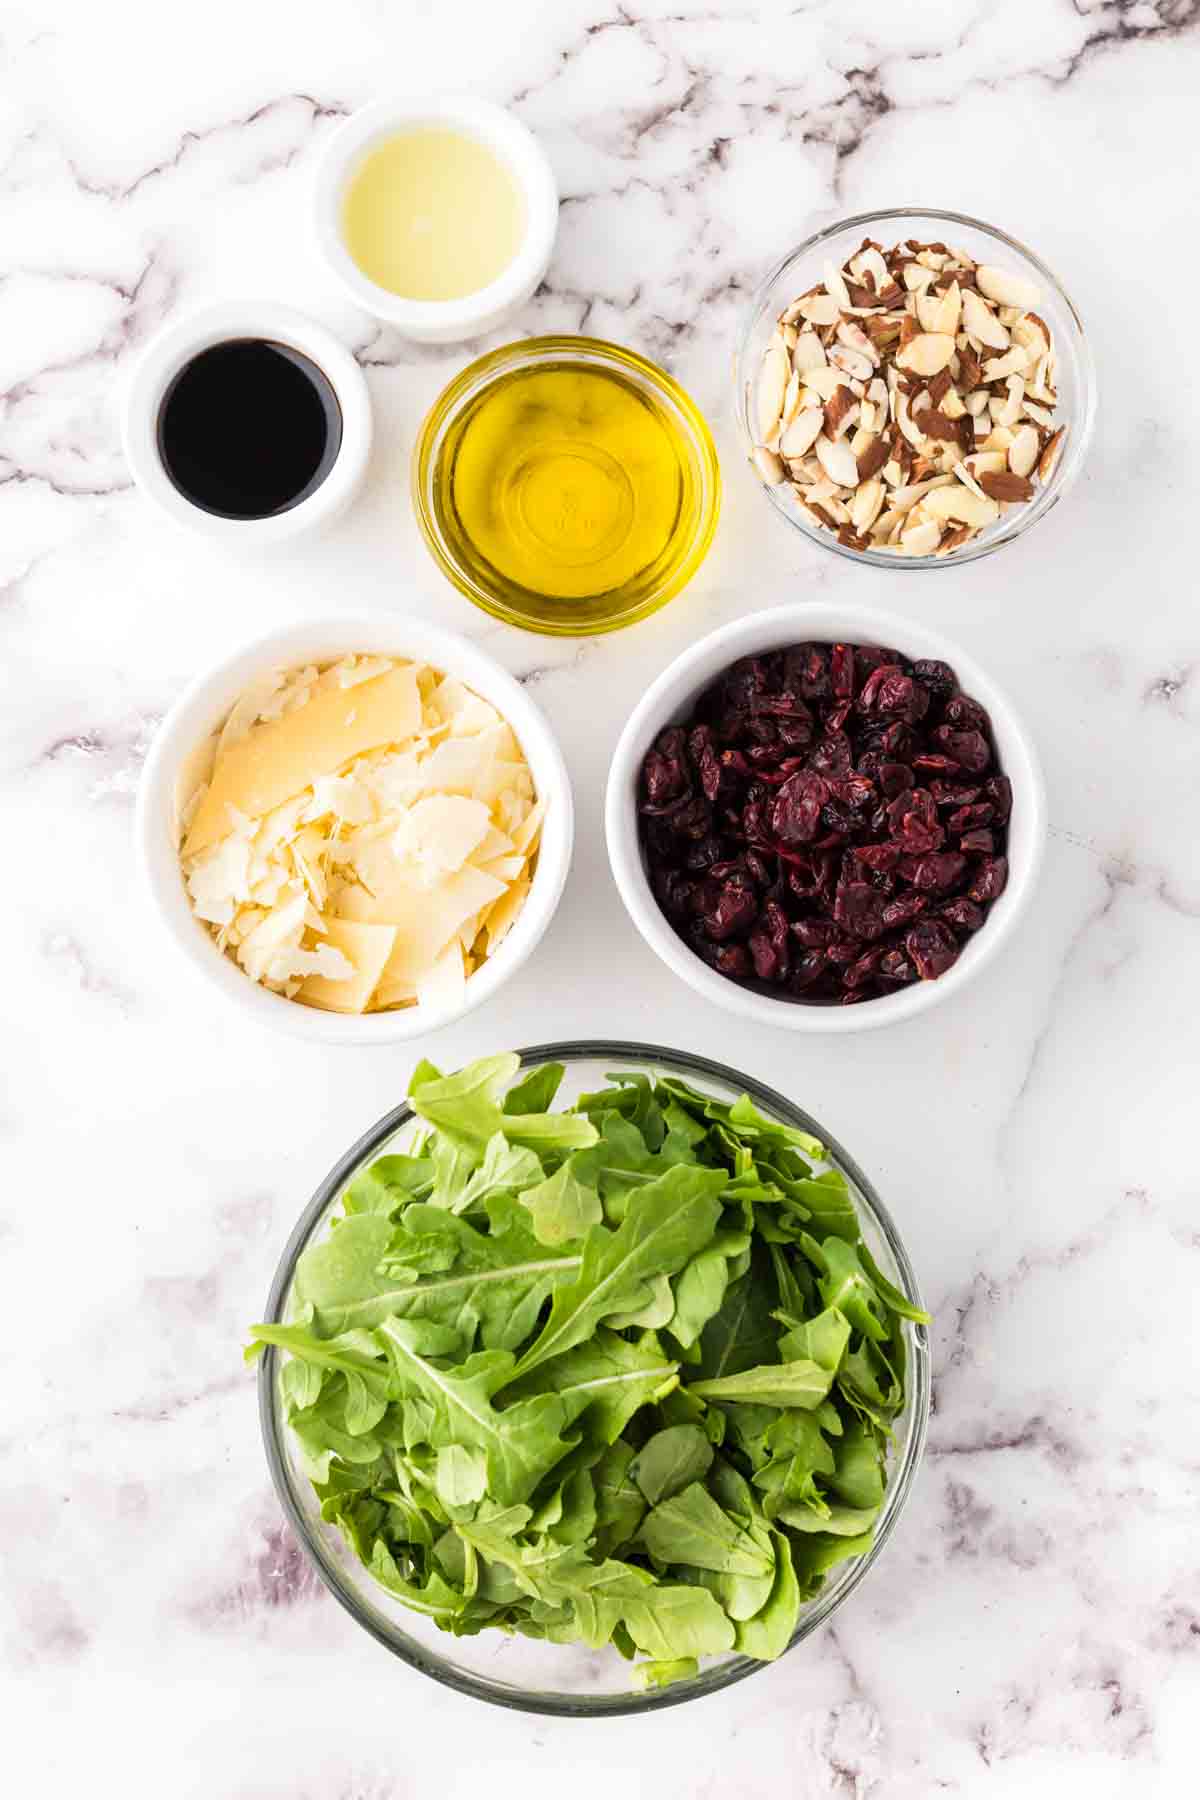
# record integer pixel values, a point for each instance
(691, 1528)
(649, 1675)
(520, 1444)
(742, 1333)
(845, 1284)
(389, 1183)
(700, 1287)
(620, 1506)
(535, 1092)
(608, 1377)
(670, 1461)
(562, 1207)
(768, 1633)
(800, 1383)
(466, 1108)
(665, 1224)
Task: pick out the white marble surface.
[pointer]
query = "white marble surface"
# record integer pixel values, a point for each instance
(1034, 1627)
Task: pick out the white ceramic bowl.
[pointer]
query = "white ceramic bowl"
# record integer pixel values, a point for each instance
(669, 700)
(166, 783)
(440, 321)
(175, 346)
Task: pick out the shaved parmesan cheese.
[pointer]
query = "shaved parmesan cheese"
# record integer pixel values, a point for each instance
(445, 983)
(367, 949)
(439, 833)
(361, 836)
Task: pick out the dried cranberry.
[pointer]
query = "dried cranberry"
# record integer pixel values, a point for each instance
(734, 909)
(769, 944)
(938, 873)
(966, 714)
(969, 749)
(961, 915)
(841, 671)
(703, 854)
(813, 934)
(734, 961)
(796, 812)
(807, 969)
(858, 909)
(832, 754)
(953, 793)
(866, 966)
(877, 856)
(977, 842)
(991, 879)
(937, 678)
(894, 778)
(895, 966)
(664, 772)
(912, 820)
(998, 789)
(807, 668)
(968, 818)
(932, 948)
(903, 910)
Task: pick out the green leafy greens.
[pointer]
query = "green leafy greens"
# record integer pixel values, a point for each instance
(619, 1374)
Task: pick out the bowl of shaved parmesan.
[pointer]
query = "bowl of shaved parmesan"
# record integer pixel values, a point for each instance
(357, 828)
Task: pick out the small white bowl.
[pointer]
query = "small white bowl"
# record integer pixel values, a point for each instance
(166, 784)
(175, 346)
(669, 700)
(441, 321)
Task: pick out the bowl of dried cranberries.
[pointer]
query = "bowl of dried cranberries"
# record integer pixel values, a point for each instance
(825, 818)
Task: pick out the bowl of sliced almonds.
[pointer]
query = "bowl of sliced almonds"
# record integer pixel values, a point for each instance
(914, 388)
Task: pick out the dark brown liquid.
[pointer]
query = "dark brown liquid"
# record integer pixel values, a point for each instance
(249, 428)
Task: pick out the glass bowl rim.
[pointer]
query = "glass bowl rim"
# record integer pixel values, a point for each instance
(1079, 437)
(737, 1668)
(603, 351)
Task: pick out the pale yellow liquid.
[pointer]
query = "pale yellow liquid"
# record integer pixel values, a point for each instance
(433, 215)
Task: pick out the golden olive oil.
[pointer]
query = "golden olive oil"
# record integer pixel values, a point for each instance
(433, 215)
(571, 484)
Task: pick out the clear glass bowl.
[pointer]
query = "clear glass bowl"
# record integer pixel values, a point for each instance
(520, 1672)
(607, 609)
(802, 267)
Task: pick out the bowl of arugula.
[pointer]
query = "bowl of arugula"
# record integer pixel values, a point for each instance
(593, 1377)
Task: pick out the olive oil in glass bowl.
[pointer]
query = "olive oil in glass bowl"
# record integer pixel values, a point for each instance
(566, 485)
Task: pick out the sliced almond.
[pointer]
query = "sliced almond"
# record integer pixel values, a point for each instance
(835, 284)
(772, 386)
(803, 431)
(1007, 487)
(819, 384)
(820, 309)
(809, 353)
(926, 353)
(981, 323)
(917, 278)
(866, 504)
(1006, 288)
(837, 460)
(851, 362)
(921, 539)
(1023, 451)
(1050, 455)
(958, 502)
(768, 466)
(1014, 362)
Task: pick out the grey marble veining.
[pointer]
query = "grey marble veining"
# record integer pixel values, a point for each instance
(1034, 1625)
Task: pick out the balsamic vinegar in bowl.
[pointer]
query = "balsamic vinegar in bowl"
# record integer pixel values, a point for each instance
(249, 428)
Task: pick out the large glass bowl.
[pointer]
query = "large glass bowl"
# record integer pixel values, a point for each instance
(803, 266)
(698, 503)
(520, 1672)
